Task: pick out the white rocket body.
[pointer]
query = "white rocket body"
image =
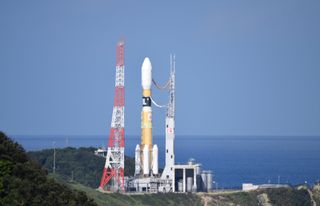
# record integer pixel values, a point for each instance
(137, 160)
(146, 168)
(155, 160)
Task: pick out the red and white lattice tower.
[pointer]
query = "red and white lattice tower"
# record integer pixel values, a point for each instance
(113, 172)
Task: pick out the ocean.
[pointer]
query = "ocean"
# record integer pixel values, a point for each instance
(233, 159)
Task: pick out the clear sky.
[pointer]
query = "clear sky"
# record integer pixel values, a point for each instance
(243, 67)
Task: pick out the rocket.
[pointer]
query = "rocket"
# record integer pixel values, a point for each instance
(146, 113)
(148, 158)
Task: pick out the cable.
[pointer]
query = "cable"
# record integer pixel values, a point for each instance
(161, 87)
(157, 105)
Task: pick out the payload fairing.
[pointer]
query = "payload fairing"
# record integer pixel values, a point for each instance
(147, 161)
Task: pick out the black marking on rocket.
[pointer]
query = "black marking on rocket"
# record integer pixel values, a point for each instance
(146, 101)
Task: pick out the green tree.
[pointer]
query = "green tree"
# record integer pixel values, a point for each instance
(24, 182)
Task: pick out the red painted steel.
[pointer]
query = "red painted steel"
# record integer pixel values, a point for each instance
(113, 172)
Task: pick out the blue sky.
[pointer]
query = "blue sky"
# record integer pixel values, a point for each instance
(243, 67)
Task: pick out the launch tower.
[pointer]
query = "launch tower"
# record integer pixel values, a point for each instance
(113, 172)
(168, 172)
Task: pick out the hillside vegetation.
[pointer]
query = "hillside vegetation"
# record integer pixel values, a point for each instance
(316, 194)
(117, 199)
(24, 182)
(263, 197)
(80, 165)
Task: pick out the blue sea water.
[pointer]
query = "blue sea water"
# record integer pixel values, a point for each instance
(233, 159)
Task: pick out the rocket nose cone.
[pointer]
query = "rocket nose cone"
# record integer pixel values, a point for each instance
(146, 73)
(146, 65)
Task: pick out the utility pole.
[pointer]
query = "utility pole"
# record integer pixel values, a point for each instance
(54, 157)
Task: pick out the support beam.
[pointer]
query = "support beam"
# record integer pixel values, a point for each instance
(184, 179)
(194, 180)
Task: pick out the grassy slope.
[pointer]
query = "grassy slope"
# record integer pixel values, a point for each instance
(117, 199)
(279, 197)
(276, 196)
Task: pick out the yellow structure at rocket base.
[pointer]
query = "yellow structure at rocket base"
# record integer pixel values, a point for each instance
(146, 128)
(146, 125)
(146, 120)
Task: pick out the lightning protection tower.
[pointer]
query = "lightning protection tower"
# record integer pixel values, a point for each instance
(113, 172)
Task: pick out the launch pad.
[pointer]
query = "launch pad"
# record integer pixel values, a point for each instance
(187, 177)
(175, 177)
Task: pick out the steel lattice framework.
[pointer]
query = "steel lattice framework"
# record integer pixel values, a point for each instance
(113, 172)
